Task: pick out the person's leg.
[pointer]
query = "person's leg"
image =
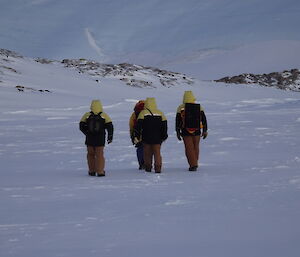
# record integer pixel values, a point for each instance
(196, 142)
(99, 160)
(190, 151)
(157, 157)
(148, 157)
(140, 156)
(91, 160)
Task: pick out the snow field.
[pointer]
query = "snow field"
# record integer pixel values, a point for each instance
(243, 201)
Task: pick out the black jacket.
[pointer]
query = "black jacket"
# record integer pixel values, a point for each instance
(152, 126)
(97, 139)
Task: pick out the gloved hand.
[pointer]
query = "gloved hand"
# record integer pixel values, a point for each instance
(83, 127)
(135, 140)
(204, 135)
(132, 139)
(165, 137)
(109, 139)
(139, 144)
(178, 134)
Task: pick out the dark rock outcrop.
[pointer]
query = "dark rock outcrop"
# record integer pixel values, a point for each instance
(286, 80)
(131, 74)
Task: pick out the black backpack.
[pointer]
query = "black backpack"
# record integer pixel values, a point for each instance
(95, 123)
(191, 117)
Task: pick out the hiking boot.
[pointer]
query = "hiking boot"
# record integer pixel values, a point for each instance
(194, 168)
(141, 167)
(148, 168)
(91, 173)
(101, 174)
(157, 168)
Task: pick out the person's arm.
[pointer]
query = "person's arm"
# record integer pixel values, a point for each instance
(178, 123)
(83, 125)
(164, 127)
(109, 128)
(131, 127)
(178, 126)
(204, 123)
(164, 130)
(139, 125)
(110, 131)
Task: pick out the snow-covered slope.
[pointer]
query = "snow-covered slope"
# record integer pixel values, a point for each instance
(11, 63)
(243, 201)
(256, 58)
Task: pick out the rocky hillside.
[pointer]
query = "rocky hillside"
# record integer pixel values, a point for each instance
(286, 80)
(130, 74)
(143, 76)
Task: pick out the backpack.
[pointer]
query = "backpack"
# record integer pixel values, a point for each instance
(95, 123)
(191, 117)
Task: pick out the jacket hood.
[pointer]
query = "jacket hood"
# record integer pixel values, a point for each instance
(96, 106)
(188, 97)
(150, 103)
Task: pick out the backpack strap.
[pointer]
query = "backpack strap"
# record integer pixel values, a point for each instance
(91, 113)
(150, 111)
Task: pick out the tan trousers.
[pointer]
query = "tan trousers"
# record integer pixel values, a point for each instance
(151, 151)
(95, 159)
(191, 144)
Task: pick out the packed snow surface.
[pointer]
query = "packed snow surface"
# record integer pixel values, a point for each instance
(243, 200)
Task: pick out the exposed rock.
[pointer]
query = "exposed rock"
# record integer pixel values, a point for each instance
(7, 53)
(130, 74)
(9, 69)
(30, 89)
(286, 80)
(44, 61)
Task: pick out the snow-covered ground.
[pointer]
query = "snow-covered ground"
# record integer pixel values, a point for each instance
(243, 200)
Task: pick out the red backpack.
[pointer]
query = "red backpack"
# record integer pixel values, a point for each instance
(137, 109)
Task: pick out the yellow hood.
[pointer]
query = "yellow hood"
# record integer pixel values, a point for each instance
(96, 106)
(150, 103)
(188, 97)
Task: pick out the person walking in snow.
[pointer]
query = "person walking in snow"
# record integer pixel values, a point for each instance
(153, 129)
(132, 127)
(93, 125)
(190, 121)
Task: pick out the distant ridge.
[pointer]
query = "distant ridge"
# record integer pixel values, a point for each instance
(150, 77)
(131, 74)
(286, 80)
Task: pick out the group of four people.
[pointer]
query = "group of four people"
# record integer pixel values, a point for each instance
(148, 130)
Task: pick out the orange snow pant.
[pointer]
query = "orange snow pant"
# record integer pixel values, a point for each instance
(95, 159)
(151, 151)
(191, 144)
